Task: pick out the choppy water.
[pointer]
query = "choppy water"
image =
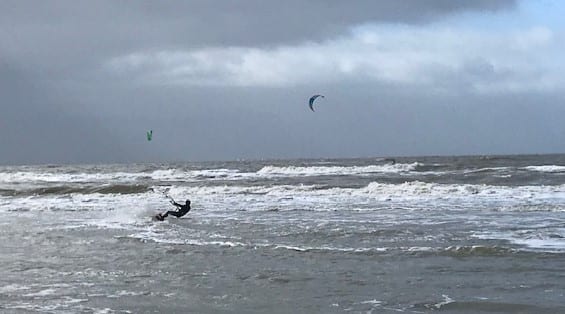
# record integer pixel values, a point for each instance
(448, 234)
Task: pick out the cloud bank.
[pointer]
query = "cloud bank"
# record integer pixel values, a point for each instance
(436, 57)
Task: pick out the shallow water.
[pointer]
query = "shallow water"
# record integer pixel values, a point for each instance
(448, 234)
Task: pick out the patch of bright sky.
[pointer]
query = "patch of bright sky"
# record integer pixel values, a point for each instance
(536, 17)
(528, 13)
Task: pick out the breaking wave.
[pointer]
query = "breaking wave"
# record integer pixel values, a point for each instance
(336, 170)
(546, 168)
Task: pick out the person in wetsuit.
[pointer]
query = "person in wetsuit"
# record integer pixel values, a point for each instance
(182, 210)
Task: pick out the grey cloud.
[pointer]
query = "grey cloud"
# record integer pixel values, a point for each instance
(438, 57)
(69, 34)
(215, 22)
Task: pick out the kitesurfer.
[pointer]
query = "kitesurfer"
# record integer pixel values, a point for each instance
(182, 210)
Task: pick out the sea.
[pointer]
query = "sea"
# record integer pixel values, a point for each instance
(469, 234)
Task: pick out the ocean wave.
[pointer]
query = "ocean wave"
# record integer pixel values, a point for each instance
(53, 176)
(185, 173)
(546, 168)
(160, 238)
(152, 236)
(406, 189)
(336, 170)
(377, 196)
(329, 249)
(118, 176)
(423, 189)
(8, 192)
(386, 191)
(549, 240)
(478, 250)
(452, 251)
(546, 244)
(485, 170)
(65, 189)
(67, 177)
(175, 175)
(13, 288)
(451, 306)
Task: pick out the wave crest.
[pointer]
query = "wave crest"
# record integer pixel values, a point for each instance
(336, 170)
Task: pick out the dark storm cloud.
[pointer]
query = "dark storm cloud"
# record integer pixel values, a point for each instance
(103, 25)
(66, 38)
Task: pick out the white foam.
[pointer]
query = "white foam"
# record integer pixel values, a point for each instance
(104, 311)
(165, 175)
(424, 190)
(383, 191)
(549, 240)
(69, 300)
(546, 168)
(324, 248)
(35, 176)
(170, 238)
(53, 177)
(544, 244)
(151, 235)
(335, 170)
(446, 300)
(217, 173)
(125, 293)
(478, 170)
(292, 248)
(137, 208)
(372, 302)
(103, 177)
(168, 175)
(41, 293)
(12, 288)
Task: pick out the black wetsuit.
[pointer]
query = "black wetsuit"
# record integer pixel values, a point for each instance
(183, 210)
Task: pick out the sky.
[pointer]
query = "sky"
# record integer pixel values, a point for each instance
(83, 81)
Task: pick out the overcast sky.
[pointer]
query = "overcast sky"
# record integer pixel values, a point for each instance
(82, 81)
